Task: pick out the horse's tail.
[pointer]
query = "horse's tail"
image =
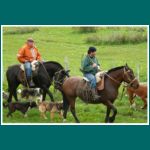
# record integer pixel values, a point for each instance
(65, 101)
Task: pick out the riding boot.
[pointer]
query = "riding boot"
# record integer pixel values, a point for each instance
(95, 95)
(30, 82)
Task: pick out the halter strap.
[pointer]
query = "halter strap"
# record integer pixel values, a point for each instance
(112, 78)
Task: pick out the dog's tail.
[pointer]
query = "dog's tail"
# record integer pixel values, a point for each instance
(5, 105)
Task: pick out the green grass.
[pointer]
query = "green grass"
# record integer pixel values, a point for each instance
(59, 43)
(118, 38)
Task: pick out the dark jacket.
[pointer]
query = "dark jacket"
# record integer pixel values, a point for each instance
(86, 65)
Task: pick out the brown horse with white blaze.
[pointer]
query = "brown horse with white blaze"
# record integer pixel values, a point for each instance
(74, 87)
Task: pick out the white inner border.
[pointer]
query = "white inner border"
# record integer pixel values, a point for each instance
(147, 26)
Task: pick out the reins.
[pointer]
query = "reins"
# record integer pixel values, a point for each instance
(112, 78)
(45, 71)
(26, 78)
(125, 72)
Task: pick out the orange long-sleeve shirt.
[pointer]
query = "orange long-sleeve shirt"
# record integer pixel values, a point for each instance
(27, 53)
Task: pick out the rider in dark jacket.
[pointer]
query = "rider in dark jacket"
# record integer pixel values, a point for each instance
(90, 66)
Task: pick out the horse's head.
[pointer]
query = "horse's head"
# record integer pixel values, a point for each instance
(60, 76)
(129, 77)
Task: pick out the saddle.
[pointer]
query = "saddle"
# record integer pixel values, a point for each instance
(34, 67)
(100, 80)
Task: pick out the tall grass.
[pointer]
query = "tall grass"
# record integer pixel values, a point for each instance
(118, 38)
(19, 30)
(85, 29)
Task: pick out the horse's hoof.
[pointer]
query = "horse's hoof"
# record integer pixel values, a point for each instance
(64, 120)
(25, 116)
(111, 120)
(107, 122)
(133, 106)
(144, 107)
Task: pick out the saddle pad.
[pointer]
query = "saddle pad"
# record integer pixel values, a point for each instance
(100, 85)
(86, 79)
(22, 67)
(99, 76)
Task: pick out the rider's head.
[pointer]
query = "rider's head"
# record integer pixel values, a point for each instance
(30, 42)
(92, 51)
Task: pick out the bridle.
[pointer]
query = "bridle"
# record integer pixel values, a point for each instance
(124, 73)
(57, 80)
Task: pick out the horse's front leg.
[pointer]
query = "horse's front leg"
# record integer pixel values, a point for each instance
(45, 89)
(107, 115)
(110, 107)
(44, 95)
(112, 118)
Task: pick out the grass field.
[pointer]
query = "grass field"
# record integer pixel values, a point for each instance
(61, 44)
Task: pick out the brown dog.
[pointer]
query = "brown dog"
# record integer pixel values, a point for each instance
(51, 107)
(20, 106)
(141, 91)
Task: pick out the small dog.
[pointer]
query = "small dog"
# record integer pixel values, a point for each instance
(20, 106)
(33, 92)
(52, 107)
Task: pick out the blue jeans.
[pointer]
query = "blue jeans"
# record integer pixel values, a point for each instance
(92, 79)
(28, 69)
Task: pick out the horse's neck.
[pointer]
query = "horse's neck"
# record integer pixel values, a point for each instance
(117, 76)
(52, 70)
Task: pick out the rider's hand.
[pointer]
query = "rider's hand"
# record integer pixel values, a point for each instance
(31, 60)
(94, 65)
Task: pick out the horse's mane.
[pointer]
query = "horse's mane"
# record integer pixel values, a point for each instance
(114, 69)
(54, 62)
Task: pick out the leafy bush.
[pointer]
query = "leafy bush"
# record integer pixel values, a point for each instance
(118, 38)
(20, 30)
(85, 29)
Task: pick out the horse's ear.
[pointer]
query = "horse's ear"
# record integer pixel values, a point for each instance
(67, 71)
(126, 65)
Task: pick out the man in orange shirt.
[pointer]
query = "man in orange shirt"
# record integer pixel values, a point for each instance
(26, 55)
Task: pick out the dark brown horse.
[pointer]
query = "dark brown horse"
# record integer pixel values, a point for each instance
(43, 79)
(74, 87)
